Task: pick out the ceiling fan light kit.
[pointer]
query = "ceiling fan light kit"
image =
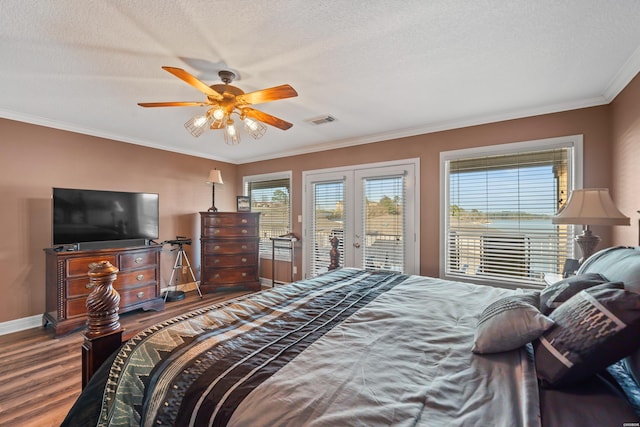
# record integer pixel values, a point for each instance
(222, 101)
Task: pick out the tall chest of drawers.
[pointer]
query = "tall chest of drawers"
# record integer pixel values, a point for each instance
(229, 250)
(67, 283)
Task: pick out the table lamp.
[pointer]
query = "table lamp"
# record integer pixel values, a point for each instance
(590, 206)
(215, 177)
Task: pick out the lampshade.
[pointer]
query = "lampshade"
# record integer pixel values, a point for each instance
(215, 177)
(590, 206)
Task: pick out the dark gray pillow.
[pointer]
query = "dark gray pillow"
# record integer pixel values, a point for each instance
(509, 323)
(593, 329)
(552, 296)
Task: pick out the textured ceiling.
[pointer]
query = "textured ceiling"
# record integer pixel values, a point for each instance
(382, 68)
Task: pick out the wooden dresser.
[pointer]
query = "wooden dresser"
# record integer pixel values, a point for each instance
(67, 282)
(229, 250)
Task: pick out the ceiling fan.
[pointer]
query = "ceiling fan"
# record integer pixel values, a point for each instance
(224, 100)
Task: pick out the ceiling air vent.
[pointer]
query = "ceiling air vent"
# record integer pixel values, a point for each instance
(321, 120)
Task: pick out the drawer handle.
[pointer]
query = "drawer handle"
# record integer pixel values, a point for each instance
(244, 246)
(244, 274)
(216, 247)
(138, 260)
(216, 261)
(217, 276)
(140, 276)
(216, 231)
(140, 294)
(244, 221)
(244, 231)
(89, 285)
(244, 260)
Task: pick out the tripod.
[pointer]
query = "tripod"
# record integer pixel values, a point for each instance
(181, 256)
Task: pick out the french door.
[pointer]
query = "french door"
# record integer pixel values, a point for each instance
(372, 211)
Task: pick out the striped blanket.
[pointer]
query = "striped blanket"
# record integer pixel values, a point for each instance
(350, 347)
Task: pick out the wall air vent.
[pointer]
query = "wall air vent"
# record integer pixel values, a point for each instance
(321, 120)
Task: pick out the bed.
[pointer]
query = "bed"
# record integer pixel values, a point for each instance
(371, 348)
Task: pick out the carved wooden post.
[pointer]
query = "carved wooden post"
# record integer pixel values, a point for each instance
(104, 333)
(334, 254)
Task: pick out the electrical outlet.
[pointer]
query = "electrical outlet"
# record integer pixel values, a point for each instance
(295, 270)
(184, 269)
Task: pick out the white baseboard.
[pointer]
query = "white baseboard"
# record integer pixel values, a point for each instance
(17, 325)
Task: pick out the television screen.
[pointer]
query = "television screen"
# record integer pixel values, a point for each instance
(95, 215)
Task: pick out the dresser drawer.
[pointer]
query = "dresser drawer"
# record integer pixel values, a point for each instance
(128, 261)
(229, 220)
(223, 232)
(137, 295)
(230, 275)
(235, 247)
(76, 307)
(78, 287)
(130, 279)
(231, 261)
(80, 266)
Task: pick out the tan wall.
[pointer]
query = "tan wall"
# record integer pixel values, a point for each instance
(593, 123)
(625, 189)
(33, 159)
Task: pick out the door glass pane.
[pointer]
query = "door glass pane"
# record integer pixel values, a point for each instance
(328, 221)
(384, 223)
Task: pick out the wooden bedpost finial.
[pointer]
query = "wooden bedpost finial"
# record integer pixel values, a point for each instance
(334, 253)
(103, 302)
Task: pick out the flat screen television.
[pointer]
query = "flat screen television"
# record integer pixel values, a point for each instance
(103, 216)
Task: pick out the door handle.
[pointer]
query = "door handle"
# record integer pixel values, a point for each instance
(356, 245)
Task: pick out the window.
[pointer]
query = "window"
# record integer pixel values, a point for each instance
(497, 209)
(271, 196)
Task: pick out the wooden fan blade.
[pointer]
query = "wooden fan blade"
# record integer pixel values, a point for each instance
(172, 104)
(193, 81)
(267, 95)
(267, 118)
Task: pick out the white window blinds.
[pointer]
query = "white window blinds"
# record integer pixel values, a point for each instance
(498, 223)
(272, 199)
(328, 220)
(384, 223)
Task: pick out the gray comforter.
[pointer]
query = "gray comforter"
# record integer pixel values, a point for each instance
(349, 348)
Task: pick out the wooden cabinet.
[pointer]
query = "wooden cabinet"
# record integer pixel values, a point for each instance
(67, 283)
(229, 250)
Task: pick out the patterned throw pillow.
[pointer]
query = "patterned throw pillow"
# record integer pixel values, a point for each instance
(594, 328)
(509, 323)
(552, 296)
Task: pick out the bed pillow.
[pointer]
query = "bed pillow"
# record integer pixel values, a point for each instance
(554, 295)
(509, 323)
(593, 329)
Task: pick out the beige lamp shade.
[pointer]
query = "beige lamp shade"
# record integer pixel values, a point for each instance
(215, 177)
(590, 206)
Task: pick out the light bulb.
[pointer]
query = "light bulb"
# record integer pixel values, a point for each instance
(197, 125)
(231, 135)
(218, 114)
(254, 128)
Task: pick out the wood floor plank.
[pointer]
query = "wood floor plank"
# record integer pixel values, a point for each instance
(41, 376)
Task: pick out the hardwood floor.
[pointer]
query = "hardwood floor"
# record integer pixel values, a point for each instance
(40, 376)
